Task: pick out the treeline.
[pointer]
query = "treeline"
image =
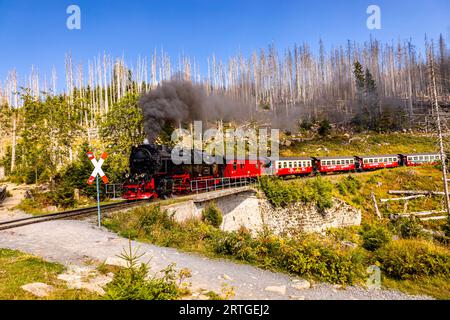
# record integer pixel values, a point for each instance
(370, 85)
(317, 83)
(47, 138)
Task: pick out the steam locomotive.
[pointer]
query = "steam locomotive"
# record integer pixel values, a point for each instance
(153, 174)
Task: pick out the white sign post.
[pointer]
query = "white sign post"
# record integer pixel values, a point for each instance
(94, 176)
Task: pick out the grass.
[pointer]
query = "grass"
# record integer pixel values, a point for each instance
(437, 287)
(17, 269)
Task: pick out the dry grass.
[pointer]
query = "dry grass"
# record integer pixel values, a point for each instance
(18, 269)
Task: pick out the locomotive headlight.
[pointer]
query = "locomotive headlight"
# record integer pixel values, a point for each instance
(127, 176)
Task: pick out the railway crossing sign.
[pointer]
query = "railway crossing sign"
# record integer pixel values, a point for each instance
(97, 168)
(94, 176)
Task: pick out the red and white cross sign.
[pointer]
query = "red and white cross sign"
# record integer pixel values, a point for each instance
(98, 167)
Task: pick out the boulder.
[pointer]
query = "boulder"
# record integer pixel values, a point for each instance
(38, 289)
(301, 284)
(276, 289)
(116, 261)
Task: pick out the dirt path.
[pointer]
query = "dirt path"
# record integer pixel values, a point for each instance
(76, 242)
(7, 211)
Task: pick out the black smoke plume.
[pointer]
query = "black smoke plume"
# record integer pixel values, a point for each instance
(182, 101)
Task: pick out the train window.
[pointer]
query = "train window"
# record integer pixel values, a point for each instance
(295, 164)
(366, 161)
(333, 162)
(284, 164)
(347, 161)
(370, 160)
(290, 164)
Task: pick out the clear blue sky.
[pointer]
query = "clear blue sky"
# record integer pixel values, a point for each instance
(35, 33)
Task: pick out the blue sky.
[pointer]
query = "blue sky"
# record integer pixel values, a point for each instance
(35, 33)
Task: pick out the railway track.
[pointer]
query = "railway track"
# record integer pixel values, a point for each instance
(67, 214)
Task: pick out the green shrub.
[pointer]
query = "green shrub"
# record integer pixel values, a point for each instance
(238, 244)
(411, 228)
(324, 127)
(326, 262)
(374, 236)
(132, 282)
(212, 215)
(63, 197)
(349, 185)
(282, 193)
(406, 259)
(322, 190)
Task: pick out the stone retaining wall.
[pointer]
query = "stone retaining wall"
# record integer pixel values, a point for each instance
(254, 213)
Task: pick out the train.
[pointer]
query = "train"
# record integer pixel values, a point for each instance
(153, 174)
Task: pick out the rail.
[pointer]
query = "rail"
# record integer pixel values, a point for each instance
(113, 191)
(3, 193)
(214, 184)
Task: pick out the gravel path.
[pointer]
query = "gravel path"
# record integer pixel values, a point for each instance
(7, 211)
(76, 242)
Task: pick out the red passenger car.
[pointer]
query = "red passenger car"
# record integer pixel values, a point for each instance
(334, 164)
(377, 162)
(293, 166)
(240, 168)
(418, 159)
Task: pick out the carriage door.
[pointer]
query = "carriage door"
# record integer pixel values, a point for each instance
(268, 169)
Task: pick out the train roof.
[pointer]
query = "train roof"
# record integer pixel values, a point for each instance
(334, 158)
(247, 157)
(378, 156)
(421, 154)
(291, 158)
